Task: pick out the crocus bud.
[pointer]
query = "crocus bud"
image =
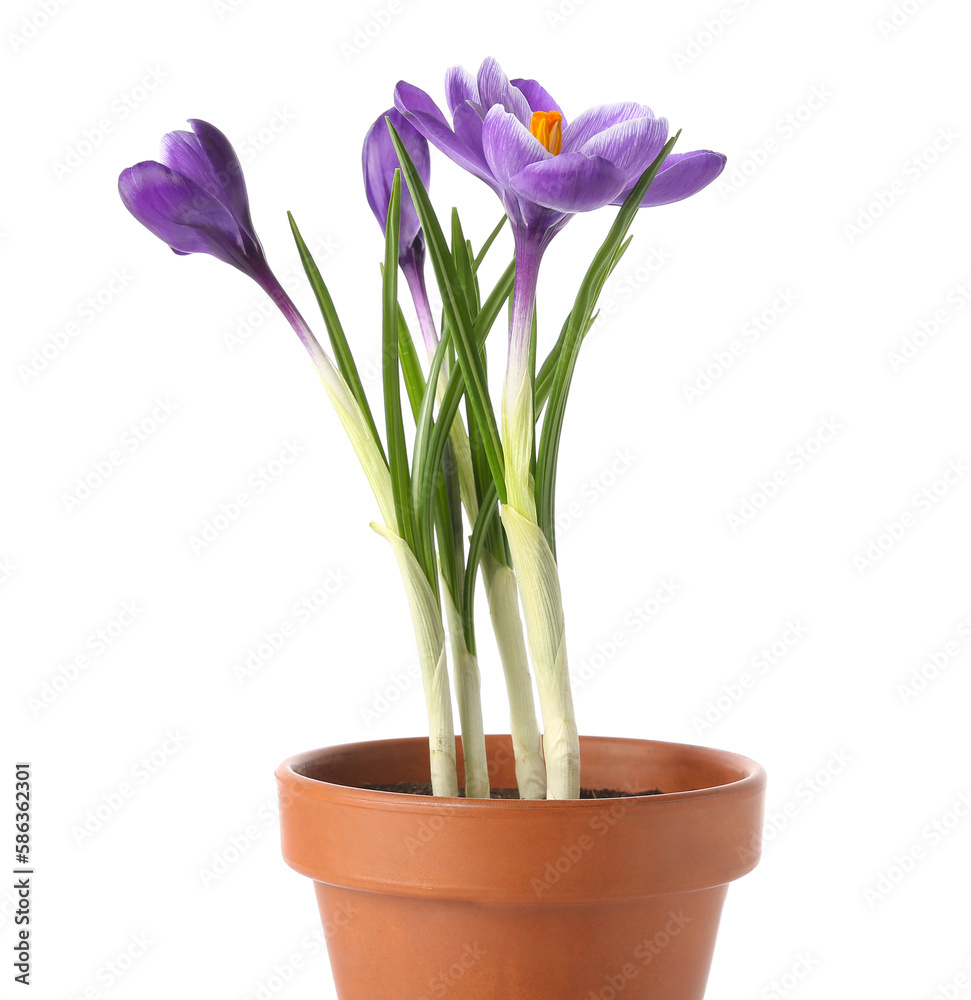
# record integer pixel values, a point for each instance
(380, 162)
(195, 198)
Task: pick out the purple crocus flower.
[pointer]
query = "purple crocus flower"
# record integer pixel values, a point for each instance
(195, 198)
(195, 201)
(514, 136)
(379, 162)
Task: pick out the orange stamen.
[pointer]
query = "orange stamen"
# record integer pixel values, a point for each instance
(545, 125)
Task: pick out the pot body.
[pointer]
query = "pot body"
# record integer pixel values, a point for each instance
(474, 899)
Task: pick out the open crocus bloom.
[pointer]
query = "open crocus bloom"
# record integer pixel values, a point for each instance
(195, 198)
(515, 137)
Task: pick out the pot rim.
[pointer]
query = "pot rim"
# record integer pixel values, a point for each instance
(752, 777)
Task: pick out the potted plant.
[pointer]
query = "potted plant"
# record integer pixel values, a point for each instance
(540, 864)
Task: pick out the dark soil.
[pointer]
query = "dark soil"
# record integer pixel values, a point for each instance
(417, 788)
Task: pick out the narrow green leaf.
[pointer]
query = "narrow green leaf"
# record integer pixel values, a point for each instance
(544, 381)
(480, 256)
(397, 449)
(456, 314)
(428, 457)
(480, 531)
(342, 351)
(576, 327)
(410, 366)
(431, 437)
(463, 264)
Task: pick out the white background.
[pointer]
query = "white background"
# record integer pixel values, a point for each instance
(845, 201)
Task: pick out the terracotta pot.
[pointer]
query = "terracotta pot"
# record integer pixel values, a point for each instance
(425, 897)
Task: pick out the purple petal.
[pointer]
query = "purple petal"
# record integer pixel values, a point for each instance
(459, 88)
(495, 88)
(508, 145)
(208, 158)
(424, 114)
(631, 145)
(380, 162)
(537, 97)
(595, 120)
(682, 175)
(570, 182)
(227, 167)
(411, 100)
(179, 212)
(468, 127)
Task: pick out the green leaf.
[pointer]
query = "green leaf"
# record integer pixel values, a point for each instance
(410, 366)
(463, 263)
(342, 351)
(484, 523)
(544, 381)
(480, 256)
(578, 323)
(456, 314)
(431, 436)
(428, 457)
(397, 449)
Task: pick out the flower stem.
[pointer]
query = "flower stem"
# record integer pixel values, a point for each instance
(414, 273)
(503, 598)
(535, 566)
(465, 670)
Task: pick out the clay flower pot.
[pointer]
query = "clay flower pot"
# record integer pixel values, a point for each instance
(425, 897)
